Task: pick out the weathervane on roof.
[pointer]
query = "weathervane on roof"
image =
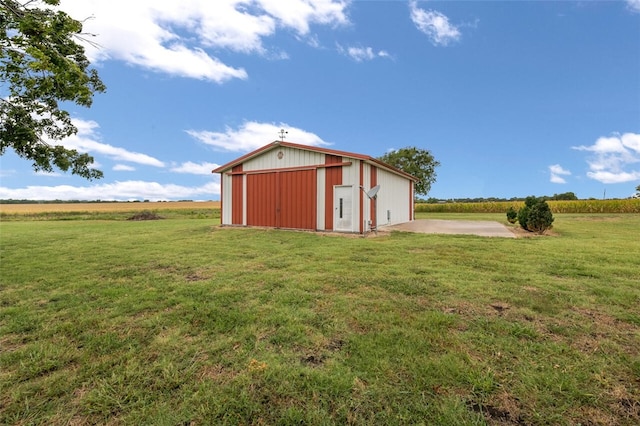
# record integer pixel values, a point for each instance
(282, 133)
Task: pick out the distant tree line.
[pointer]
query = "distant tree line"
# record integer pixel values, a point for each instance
(11, 201)
(563, 196)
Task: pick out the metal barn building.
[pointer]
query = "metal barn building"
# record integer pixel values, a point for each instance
(287, 185)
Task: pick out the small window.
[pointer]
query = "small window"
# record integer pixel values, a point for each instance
(340, 213)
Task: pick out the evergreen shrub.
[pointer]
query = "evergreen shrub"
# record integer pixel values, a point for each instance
(512, 215)
(535, 216)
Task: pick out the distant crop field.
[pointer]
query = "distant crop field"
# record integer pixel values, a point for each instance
(110, 211)
(105, 207)
(569, 206)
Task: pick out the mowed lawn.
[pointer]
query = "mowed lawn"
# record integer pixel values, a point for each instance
(180, 321)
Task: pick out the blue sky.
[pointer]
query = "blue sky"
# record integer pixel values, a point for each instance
(514, 98)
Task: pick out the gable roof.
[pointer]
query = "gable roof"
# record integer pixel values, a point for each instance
(277, 144)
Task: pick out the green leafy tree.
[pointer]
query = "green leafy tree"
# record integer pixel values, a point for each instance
(417, 162)
(638, 188)
(42, 65)
(565, 196)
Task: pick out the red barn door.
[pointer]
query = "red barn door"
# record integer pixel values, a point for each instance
(261, 199)
(282, 199)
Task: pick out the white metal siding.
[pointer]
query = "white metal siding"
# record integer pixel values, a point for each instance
(393, 197)
(290, 158)
(366, 211)
(226, 199)
(351, 174)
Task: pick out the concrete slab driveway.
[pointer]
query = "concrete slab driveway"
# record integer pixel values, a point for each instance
(482, 228)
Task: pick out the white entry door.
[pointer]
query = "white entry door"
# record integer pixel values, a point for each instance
(343, 208)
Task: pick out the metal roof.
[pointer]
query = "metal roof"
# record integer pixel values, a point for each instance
(277, 144)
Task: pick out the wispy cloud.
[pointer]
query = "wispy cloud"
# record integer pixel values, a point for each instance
(120, 191)
(634, 5)
(557, 172)
(123, 168)
(86, 141)
(300, 14)
(360, 54)
(252, 135)
(434, 24)
(195, 169)
(176, 37)
(614, 159)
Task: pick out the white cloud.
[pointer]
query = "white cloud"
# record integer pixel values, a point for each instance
(610, 177)
(85, 141)
(121, 191)
(298, 14)
(313, 41)
(360, 54)
(175, 37)
(634, 5)
(631, 141)
(434, 24)
(195, 169)
(612, 157)
(252, 135)
(123, 168)
(557, 172)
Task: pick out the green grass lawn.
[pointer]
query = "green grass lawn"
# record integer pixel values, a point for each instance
(178, 321)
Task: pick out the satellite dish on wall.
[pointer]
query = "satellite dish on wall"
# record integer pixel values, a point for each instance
(371, 194)
(373, 191)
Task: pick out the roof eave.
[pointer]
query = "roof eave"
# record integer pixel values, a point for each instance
(393, 169)
(245, 157)
(277, 143)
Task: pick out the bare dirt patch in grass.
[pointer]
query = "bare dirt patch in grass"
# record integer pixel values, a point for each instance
(597, 317)
(623, 405)
(471, 310)
(595, 416)
(195, 276)
(189, 274)
(500, 307)
(319, 356)
(606, 327)
(217, 373)
(11, 343)
(523, 233)
(145, 215)
(496, 415)
(509, 405)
